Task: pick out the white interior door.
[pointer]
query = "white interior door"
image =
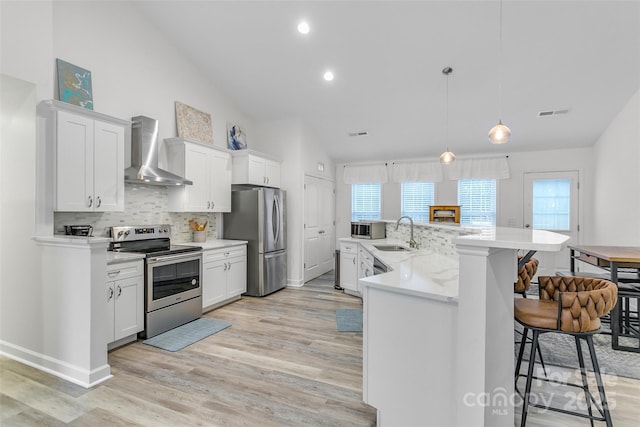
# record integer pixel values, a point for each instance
(319, 228)
(551, 203)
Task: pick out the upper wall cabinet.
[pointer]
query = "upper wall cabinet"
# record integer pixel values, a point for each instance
(251, 167)
(208, 167)
(86, 151)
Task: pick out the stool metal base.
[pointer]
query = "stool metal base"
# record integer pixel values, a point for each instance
(603, 408)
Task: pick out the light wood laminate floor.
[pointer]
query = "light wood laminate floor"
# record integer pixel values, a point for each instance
(281, 363)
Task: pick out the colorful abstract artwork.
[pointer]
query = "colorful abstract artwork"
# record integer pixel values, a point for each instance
(237, 139)
(193, 123)
(74, 84)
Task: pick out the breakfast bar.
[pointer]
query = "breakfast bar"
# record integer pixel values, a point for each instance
(438, 330)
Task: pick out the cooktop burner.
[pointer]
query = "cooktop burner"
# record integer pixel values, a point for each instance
(150, 240)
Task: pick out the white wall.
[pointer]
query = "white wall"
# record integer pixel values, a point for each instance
(135, 70)
(510, 200)
(20, 284)
(617, 180)
(26, 75)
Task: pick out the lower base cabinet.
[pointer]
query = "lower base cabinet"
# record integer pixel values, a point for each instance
(125, 300)
(349, 267)
(224, 276)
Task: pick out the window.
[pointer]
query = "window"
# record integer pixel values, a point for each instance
(477, 200)
(416, 199)
(365, 201)
(551, 202)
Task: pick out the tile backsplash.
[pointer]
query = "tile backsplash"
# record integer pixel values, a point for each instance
(143, 205)
(438, 238)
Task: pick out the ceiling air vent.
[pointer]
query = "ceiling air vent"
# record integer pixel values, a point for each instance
(552, 113)
(359, 133)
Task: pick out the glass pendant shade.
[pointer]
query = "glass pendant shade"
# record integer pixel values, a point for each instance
(447, 157)
(499, 134)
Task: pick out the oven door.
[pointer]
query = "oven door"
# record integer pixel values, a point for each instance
(171, 279)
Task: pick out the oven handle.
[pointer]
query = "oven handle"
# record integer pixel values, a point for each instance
(179, 257)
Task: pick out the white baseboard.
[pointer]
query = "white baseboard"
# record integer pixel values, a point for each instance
(72, 373)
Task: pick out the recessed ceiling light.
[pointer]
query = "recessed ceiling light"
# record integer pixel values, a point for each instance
(303, 27)
(328, 75)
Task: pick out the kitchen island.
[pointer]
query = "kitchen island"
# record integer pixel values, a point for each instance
(438, 330)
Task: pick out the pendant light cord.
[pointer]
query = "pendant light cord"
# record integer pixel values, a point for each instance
(500, 65)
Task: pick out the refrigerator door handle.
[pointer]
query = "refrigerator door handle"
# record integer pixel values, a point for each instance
(276, 220)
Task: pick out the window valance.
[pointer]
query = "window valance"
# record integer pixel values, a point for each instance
(487, 168)
(366, 174)
(416, 171)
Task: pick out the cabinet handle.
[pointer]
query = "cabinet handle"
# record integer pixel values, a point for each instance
(354, 261)
(90, 200)
(226, 254)
(229, 266)
(113, 273)
(119, 291)
(98, 202)
(225, 267)
(267, 180)
(212, 205)
(110, 293)
(208, 205)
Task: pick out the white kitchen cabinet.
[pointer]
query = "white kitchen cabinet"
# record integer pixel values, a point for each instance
(208, 167)
(224, 276)
(87, 152)
(125, 301)
(349, 267)
(251, 167)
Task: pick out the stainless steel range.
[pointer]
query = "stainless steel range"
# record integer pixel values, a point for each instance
(173, 294)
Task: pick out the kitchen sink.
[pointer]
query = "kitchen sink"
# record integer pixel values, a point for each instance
(390, 248)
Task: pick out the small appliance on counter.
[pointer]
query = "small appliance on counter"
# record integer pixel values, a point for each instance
(368, 230)
(78, 230)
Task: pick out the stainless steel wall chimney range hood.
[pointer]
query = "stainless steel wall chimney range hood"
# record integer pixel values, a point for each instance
(144, 156)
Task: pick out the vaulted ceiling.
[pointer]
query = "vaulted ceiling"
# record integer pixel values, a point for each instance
(388, 56)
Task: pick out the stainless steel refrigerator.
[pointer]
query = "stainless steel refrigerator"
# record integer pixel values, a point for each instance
(258, 216)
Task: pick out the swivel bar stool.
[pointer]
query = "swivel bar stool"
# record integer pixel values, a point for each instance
(567, 305)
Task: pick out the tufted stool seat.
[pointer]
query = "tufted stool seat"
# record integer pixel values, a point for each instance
(568, 305)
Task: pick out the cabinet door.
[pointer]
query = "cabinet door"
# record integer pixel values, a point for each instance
(108, 184)
(197, 165)
(129, 303)
(214, 283)
(220, 181)
(237, 276)
(256, 170)
(110, 297)
(74, 163)
(349, 271)
(272, 172)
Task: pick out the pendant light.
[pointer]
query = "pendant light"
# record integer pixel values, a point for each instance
(447, 157)
(499, 134)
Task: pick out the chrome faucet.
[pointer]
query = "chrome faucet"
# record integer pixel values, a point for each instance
(412, 243)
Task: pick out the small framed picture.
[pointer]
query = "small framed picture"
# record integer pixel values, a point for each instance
(74, 84)
(237, 139)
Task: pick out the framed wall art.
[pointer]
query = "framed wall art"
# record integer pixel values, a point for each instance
(236, 137)
(193, 123)
(74, 84)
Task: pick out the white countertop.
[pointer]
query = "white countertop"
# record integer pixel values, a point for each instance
(217, 243)
(422, 273)
(425, 273)
(514, 238)
(117, 257)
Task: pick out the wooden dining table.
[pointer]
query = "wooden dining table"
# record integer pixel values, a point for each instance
(623, 266)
